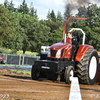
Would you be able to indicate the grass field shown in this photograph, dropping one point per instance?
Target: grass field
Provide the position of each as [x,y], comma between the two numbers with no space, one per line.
[25,72]
[9,64]
[9,51]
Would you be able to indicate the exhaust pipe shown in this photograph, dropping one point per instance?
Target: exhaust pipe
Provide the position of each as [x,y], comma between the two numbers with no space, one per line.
[65,38]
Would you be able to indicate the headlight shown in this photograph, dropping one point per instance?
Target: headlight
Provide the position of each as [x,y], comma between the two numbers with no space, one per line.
[58,54]
[48,52]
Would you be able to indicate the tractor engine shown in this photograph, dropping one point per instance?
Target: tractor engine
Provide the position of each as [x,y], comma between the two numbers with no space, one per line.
[60,51]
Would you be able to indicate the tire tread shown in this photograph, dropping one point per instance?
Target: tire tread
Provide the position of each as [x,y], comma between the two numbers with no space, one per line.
[82,67]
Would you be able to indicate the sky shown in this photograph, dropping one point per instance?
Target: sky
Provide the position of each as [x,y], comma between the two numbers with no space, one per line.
[43,6]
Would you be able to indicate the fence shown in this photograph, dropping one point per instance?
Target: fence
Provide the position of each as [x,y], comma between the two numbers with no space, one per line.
[19,59]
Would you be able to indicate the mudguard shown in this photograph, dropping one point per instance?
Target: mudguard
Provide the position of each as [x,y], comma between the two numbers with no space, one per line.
[81,51]
[98,78]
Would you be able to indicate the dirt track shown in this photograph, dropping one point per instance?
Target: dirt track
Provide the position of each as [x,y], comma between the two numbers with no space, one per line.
[22,87]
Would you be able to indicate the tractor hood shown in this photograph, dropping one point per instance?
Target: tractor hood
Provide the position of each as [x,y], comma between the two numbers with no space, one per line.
[60,45]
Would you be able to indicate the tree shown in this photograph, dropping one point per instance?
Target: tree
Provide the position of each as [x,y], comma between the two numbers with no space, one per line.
[49,15]
[40,37]
[10,34]
[53,16]
[6,3]
[32,11]
[14,42]
[36,34]
[11,6]
[59,20]
[25,23]
[55,36]
[23,8]
[5,25]
[82,12]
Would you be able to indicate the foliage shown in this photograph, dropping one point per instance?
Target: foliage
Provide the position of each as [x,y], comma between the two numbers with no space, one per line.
[40,37]
[51,16]
[9,35]
[32,11]
[21,31]
[53,27]
[23,8]
[91,26]
[11,6]
[6,3]
[59,19]
[55,36]
[36,34]
[82,12]
[16,42]
[9,51]
[20,28]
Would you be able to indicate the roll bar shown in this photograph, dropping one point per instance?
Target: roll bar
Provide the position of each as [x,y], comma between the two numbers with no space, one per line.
[81,31]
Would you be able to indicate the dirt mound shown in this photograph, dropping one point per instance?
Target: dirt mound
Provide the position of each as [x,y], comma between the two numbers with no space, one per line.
[4,71]
[15,73]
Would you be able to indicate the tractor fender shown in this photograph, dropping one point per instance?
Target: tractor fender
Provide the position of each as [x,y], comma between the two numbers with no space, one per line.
[81,51]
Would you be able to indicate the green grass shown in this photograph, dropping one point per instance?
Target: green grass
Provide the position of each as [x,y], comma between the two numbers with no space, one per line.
[4,50]
[27,53]
[9,51]
[25,72]
[9,64]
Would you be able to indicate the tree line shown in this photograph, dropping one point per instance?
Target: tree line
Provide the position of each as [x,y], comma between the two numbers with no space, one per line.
[20,28]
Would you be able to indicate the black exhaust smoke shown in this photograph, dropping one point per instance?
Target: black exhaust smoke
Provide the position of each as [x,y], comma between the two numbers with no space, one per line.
[71,5]
[68,9]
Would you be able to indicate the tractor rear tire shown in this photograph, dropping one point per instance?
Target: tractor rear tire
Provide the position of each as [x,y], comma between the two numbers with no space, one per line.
[34,73]
[87,67]
[69,74]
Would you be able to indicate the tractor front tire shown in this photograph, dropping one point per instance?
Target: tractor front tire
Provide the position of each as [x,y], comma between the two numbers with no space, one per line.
[69,74]
[34,73]
[87,67]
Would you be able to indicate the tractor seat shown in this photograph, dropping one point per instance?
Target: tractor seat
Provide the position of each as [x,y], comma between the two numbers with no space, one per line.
[77,36]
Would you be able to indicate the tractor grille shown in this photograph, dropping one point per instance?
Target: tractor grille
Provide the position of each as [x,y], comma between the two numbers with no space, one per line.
[53,53]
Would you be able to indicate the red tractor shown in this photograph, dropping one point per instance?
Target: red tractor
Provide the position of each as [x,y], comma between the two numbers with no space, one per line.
[85,65]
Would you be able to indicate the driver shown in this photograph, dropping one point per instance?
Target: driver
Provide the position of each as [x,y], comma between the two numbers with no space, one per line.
[74,45]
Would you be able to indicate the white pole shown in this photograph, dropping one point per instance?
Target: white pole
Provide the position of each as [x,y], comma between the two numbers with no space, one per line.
[65,38]
[23,60]
[19,59]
